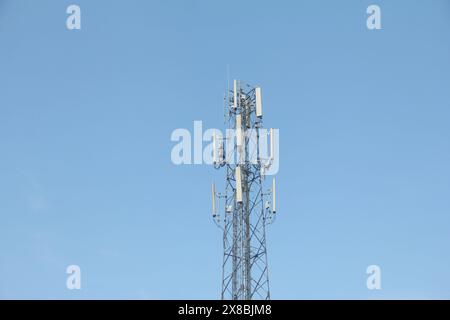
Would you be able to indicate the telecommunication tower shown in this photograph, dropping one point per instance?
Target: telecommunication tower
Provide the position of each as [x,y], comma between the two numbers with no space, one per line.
[247,207]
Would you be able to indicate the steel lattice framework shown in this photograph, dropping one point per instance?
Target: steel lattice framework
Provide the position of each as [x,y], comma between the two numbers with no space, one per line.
[246,211]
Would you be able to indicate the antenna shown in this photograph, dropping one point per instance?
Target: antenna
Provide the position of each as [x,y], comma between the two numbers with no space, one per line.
[213,193]
[258,102]
[214,148]
[238,184]
[239,139]
[274,196]
[235,94]
[272,146]
[227,96]
[218,154]
[247,212]
[239,130]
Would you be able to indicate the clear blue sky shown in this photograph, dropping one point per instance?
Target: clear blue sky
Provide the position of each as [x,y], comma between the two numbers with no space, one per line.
[85,123]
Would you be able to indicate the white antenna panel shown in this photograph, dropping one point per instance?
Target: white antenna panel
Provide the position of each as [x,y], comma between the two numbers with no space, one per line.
[220,151]
[272,146]
[238,184]
[218,154]
[214,148]
[258,102]
[274,195]
[239,130]
[235,97]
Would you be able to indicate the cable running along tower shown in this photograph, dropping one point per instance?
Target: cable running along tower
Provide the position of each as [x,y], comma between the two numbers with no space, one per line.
[247,207]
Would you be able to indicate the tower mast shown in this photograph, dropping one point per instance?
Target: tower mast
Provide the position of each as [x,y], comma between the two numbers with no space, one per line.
[247,211]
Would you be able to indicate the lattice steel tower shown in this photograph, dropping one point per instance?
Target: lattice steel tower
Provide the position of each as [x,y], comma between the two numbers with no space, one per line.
[247,207]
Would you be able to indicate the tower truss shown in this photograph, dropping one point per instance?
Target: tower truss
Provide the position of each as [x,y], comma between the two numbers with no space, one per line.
[248,207]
